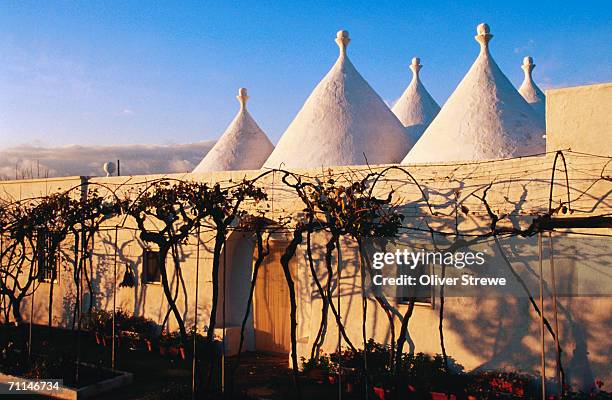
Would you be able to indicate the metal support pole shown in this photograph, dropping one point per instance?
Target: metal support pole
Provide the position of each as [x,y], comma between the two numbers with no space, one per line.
[223,335]
[340,320]
[556,320]
[113,356]
[32,310]
[542,342]
[2,299]
[195,318]
[80,300]
[364,300]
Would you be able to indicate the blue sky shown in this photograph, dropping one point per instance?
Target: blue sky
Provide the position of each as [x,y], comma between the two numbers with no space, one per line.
[143,72]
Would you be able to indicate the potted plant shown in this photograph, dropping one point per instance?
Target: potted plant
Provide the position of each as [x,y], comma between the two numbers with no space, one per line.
[148,341]
[382,384]
[100,323]
[170,343]
[137,330]
[317,368]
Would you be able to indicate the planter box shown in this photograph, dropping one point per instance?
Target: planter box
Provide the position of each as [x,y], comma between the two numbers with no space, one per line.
[69,393]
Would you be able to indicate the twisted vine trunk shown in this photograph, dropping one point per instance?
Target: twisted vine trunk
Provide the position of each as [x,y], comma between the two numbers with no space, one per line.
[402,337]
[53,261]
[330,247]
[177,272]
[441,321]
[210,335]
[75,278]
[318,342]
[14,301]
[87,277]
[163,253]
[285,259]
[382,302]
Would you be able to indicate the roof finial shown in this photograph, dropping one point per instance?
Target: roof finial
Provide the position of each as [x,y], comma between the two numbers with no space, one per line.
[242,98]
[342,39]
[483,36]
[415,67]
[528,66]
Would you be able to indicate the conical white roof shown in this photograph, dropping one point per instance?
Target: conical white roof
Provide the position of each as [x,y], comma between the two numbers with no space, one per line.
[416,108]
[531,92]
[484,118]
[242,146]
[342,119]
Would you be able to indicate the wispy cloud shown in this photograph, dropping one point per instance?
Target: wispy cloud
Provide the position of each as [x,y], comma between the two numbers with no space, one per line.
[527,47]
[34,160]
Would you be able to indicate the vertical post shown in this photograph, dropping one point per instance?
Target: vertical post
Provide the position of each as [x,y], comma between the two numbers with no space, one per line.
[364,300]
[542,342]
[223,334]
[340,320]
[80,300]
[84,194]
[195,318]
[118,167]
[2,303]
[556,319]
[35,265]
[113,356]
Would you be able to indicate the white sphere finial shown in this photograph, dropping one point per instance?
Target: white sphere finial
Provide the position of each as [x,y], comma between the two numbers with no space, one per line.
[528,66]
[483,35]
[109,168]
[242,97]
[416,67]
[483,28]
[342,39]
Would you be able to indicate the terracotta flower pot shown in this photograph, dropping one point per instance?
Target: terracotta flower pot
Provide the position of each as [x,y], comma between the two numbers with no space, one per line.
[380,392]
[173,351]
[332,379]
[163,349]
[442,396]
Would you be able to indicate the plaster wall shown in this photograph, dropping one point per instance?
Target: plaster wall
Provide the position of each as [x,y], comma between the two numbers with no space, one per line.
[579,118]
[479,332]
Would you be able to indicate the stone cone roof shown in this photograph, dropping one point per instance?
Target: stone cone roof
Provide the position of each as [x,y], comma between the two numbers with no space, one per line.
[485,118]
[343,122]
[416,108]
[531,92]
[242,146]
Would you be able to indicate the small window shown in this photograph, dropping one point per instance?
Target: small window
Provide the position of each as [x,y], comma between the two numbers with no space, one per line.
[152,273]
[47,262]
[422,295]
